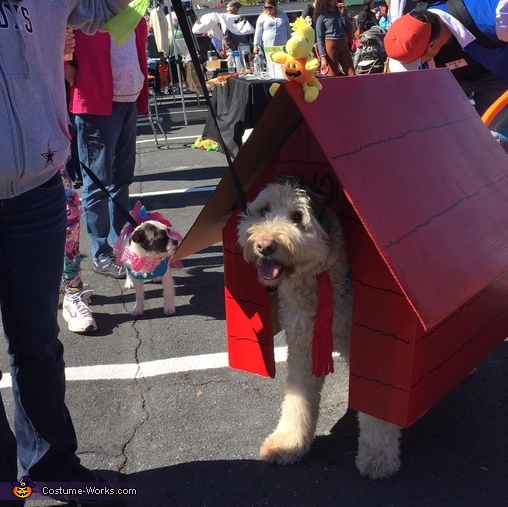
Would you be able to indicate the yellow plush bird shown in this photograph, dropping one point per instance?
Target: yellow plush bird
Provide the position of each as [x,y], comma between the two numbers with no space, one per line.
[299,62]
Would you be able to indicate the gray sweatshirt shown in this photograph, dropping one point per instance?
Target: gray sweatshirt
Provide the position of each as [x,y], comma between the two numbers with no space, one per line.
[34,137]
[333,25]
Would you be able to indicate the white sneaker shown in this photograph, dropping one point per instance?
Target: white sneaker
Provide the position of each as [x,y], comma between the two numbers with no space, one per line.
[77,314]
[61,294]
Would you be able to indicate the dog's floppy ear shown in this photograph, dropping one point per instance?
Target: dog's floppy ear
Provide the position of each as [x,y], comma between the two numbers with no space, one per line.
[318,198]
[138,236]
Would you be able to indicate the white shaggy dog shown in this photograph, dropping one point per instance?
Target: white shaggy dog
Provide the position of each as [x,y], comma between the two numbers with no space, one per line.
[292,238]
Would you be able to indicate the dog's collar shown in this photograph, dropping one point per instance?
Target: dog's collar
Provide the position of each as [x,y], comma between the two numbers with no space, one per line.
[158,271]
[141,263]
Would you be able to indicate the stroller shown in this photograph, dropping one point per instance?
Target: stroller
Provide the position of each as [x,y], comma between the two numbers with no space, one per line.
[370,55]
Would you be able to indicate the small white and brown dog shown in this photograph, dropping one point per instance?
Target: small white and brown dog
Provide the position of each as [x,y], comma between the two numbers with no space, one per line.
[146,252]
[294,240]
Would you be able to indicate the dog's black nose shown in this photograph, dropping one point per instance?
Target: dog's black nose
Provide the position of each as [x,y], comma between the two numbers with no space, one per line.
[266,248]
[175,242]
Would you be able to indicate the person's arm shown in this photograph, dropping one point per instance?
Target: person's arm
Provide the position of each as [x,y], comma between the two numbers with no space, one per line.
[346,20]
[320,40]
[258,34]
[288,27]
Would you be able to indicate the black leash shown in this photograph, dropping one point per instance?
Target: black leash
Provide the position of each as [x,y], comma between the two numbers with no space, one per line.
[119,207]
[187,35]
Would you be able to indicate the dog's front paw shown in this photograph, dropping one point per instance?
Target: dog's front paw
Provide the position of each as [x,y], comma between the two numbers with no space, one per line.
[169,310]
[377,463]
[283,449]
[129,284]
[137,310]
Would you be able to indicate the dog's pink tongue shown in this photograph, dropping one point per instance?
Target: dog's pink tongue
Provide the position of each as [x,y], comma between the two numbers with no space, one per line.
[269,270]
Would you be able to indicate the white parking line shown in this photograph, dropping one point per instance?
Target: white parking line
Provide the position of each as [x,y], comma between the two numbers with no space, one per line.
[171,138]
[179,191]
[149,368]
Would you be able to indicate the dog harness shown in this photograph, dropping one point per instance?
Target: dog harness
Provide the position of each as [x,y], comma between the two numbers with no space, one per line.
[144,268]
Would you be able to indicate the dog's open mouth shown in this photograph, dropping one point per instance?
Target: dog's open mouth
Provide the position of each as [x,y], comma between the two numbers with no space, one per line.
[270,270]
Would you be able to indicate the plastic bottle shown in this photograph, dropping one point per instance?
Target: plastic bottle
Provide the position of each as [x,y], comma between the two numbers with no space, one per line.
[246,61]
[262,64]
[231,63]
[238,62]
[256,63]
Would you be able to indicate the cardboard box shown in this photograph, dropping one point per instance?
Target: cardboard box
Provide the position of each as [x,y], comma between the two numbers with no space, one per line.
[217,64]
[421,188]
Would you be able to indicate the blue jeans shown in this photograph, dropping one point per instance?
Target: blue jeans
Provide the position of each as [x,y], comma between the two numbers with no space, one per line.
[107,145]
[32,237]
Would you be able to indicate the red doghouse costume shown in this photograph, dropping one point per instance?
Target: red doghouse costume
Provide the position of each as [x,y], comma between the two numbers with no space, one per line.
[422,198]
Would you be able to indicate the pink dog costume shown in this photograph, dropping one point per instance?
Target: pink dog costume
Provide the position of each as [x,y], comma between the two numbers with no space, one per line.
[144,267]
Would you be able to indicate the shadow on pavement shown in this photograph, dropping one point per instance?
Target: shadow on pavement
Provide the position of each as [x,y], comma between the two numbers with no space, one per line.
[455,455]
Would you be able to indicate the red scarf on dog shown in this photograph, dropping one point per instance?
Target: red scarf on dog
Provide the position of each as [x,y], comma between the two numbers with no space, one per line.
[322,340]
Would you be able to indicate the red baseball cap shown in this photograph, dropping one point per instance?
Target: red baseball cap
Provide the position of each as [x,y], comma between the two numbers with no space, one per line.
[407,39]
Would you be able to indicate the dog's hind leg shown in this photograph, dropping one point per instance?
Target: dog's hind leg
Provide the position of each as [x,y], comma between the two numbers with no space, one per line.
[378,447]
[169,293]
[295,431]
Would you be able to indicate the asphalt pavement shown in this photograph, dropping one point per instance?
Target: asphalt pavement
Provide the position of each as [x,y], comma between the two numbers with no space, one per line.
[156,407]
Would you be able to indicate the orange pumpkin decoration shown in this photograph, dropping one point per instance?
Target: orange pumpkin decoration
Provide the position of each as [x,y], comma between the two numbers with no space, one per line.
[22,491]
[23,488]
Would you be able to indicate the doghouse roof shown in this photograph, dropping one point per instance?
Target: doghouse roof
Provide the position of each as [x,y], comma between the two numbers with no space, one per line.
[423,174]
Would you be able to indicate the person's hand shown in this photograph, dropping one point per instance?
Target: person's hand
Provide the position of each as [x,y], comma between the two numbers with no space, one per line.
[324,66]
[70,42]
[70,73]
[255,49]
[342,8]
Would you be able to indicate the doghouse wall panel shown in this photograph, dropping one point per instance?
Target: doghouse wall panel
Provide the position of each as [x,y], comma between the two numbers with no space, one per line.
[248,310]
[447,354]
[457,333]
[382,337]
[397,371]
